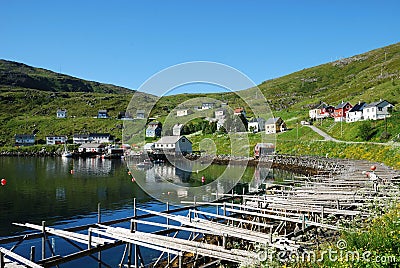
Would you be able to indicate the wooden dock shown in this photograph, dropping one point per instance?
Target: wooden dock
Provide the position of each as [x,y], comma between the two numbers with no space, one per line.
[230,229]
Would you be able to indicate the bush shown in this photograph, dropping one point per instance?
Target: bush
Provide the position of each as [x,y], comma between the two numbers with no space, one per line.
[366,131]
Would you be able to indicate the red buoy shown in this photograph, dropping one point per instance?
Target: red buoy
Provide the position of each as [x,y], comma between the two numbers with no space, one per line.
[129,173]
[373,168]
[71,171]
[133,179]
[3,182]
[203,180]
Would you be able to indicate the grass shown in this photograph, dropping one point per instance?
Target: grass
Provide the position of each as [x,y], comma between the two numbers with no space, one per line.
[350,131]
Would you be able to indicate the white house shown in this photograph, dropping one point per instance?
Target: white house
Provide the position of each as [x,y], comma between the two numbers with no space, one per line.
[220,113]
[257,124]
[80,138]
[377,110]
[51,140]
[102,114]
[153,129]
[322,110]
[24,139]
[96,148]
[148,147]
[140,114]
[101,137]
[274,125]
[183,112]
[61,113]
[207,105]
[177,129]
[174,144]
[356,113]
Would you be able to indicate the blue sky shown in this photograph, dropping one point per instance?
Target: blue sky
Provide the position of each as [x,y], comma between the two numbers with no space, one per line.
[126,42]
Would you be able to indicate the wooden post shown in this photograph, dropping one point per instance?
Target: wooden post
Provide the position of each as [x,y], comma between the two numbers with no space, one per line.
[136,259]
[168,255]
[89,238]
[99,221]
[180,260]
[322,214]
[33,253]
[270,234]
[303,224]
[2,263]
[44,240]
[98,213]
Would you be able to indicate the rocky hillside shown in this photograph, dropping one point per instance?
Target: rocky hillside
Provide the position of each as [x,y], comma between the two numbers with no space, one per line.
[19,75]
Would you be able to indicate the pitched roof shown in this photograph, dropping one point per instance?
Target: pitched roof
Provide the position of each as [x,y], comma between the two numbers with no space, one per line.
[381,103]
[81,135]
[342,104]
[99,134]
[320,105]
[25,135]
[358,107]
[259,120]
[170,139]
[272,120]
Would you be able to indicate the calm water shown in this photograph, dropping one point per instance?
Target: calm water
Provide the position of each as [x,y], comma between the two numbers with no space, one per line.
[44,189]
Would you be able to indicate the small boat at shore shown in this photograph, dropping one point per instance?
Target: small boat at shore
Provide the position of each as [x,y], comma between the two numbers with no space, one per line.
[145,164]
[66,153]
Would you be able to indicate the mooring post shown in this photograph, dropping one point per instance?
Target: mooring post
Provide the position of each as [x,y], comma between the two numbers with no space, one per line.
[44,240]
[224,209]
[99,212]
[303,222]
[180,259]
[224,240]
[2,263]
[168,254]
[33,253]
[322,214]
[270,234]
[89,238]
[136,259]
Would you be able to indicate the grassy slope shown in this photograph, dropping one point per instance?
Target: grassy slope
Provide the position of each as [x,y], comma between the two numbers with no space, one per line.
[365,77]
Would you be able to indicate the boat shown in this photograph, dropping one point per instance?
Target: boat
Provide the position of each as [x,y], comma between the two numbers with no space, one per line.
[145,164]
[66,153]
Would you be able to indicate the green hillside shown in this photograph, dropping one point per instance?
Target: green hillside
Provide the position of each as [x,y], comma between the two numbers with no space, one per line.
[29,97]
[19,75]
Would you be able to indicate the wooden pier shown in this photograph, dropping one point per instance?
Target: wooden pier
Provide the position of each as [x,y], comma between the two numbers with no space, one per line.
[289,215]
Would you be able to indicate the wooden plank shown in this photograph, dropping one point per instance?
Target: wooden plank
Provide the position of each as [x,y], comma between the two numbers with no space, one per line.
[19,258]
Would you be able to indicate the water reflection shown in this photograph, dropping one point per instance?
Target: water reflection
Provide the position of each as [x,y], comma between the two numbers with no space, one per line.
[185,181]
[46,189]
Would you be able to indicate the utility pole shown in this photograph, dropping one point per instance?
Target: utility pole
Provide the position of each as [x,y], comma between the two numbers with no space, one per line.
[341,127]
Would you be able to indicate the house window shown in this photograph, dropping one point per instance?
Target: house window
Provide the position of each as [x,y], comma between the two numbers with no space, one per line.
[380,109]
[183,140]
